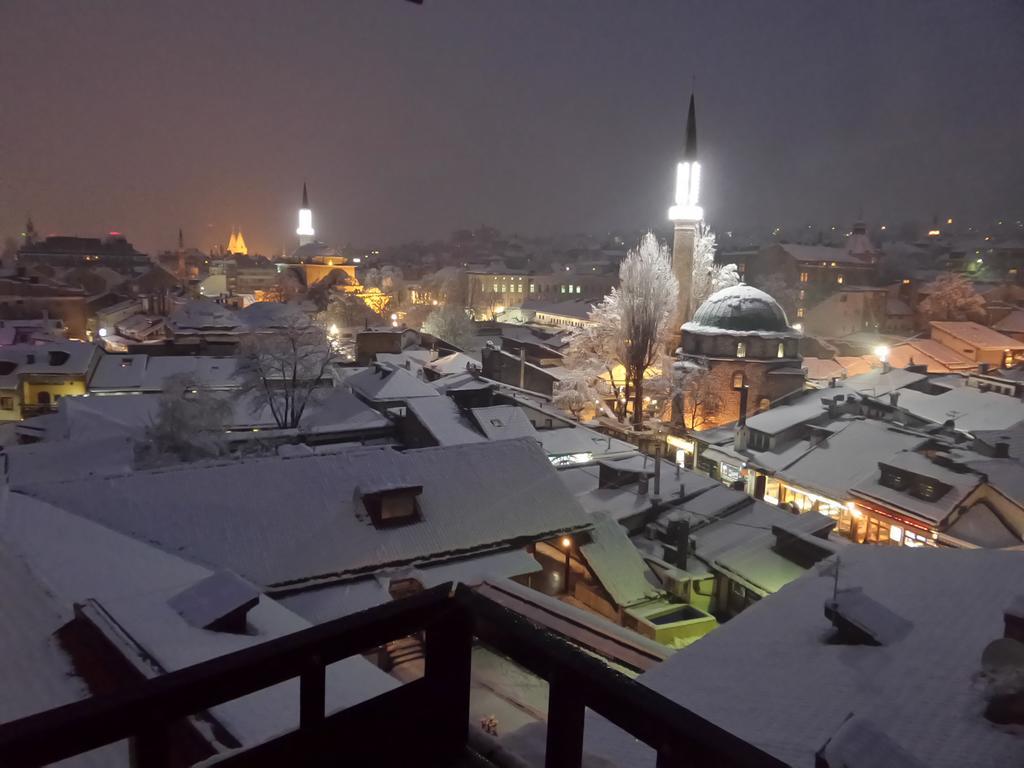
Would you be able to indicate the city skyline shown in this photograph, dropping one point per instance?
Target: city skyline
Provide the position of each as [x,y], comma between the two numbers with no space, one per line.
[409,122]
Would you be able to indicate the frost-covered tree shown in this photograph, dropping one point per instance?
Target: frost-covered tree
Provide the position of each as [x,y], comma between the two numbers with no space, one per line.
[952,297]
[575,393]
[450,323]
[696,395]
[647,298]
[595,351]
[280,370]
[708,276]
[189,422]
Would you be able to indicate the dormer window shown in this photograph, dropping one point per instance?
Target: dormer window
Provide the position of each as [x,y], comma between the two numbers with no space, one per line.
[390,507]
[741,349]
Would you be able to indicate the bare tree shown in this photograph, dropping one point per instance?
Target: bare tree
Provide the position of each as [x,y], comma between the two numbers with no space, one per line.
[952,297]
[282,369]
[450,323]
[189,422]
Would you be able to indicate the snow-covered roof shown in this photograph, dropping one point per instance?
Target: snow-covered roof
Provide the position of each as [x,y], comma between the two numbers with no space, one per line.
[968,407]
[64,358]
[502,422]
[881,381]
[146,373]
[203,316]
[79,561]
[456,362]
[617,564]
[384,383]
[282,521]
[441,417]
[934,354]
[770,677]
[823,253]
[981,526]
[1012,323]
[976,335]
[48,460]
[805,408]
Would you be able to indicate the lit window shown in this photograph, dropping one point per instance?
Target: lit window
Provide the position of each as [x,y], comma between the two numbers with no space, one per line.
[803,277]
[579,288]
[738,380]
[803,293]
[741,349]
[839,279]
[781,351]
[561,288]
[533,288]
[799,311]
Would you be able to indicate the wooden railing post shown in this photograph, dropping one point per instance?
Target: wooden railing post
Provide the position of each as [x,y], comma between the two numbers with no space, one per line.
[150,748]
[312,690]
[566,712]
[447,666]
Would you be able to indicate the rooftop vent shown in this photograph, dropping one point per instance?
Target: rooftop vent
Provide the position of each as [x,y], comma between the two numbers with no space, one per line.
[859,620]
[219,602]
[859,743]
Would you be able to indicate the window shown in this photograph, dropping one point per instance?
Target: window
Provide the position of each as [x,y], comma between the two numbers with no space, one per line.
[804,277]
[562,288]
[759,441]
[579,288]
[799,311]
[43,398]
[533,288]
[741,349]
[738,380]
[803,294]
[839,279]
[7,403]
[893,478]
[781,350]
[393,507]
[764,404]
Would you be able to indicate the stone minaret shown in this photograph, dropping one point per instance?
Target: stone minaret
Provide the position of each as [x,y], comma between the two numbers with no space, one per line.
[305,231]
[687,215]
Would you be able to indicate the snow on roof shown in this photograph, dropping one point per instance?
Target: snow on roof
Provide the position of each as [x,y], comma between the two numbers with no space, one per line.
[460,382]
[456,362]
[78,560]
[968,407]
[821,369]
[35,672]
[740,308]
[1006,476]
[281,521]
[338,410]
[617,564]
[271,315]
[937,356]
[578,309]
[881,382]
[501,422]
[827,253]
[48,460]
[1012,323]
[66,358]
[580,440]
[977,335]
[383,383]
[805,408]
[770,677]
[441,417]
[961,484]
[145,373]
[210,600]
[203,315]
[981,526]
[847,457]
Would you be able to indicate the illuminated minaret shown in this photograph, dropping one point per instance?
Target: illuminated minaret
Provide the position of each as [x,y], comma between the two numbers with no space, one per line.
[305,230]
[687,215]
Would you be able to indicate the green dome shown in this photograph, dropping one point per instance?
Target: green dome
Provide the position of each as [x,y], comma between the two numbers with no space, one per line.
[741,308]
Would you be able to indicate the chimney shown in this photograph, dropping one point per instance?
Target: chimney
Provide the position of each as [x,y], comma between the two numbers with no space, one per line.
[682,543]
[1013,619]
[982,368]
[657,470]
[1002,450]
[894,399]
[885,366]
[641,485]
[522,367]
[744,393]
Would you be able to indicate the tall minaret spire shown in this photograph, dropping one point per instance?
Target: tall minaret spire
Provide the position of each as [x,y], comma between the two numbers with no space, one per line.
[305,230]
[687,215]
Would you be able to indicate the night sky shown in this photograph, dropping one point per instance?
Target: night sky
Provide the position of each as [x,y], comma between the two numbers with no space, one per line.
[536,117]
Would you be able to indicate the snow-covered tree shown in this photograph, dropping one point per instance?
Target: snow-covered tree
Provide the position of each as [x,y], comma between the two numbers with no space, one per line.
[450,323]
[280,370]
[696,395]
[189,422]
[575,393]
[952,297]
[447,286]
[708,276]
[595,351]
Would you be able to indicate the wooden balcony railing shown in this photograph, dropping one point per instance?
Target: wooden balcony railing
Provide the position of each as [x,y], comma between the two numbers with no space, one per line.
[422,723]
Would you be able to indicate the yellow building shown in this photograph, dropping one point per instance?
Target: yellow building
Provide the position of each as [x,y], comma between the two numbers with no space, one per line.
[33,378]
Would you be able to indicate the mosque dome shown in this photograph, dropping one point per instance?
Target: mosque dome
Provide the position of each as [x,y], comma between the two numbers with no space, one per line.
[739,309]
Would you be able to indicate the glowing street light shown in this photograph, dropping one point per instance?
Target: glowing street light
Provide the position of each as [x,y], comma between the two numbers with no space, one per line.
[881,352]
